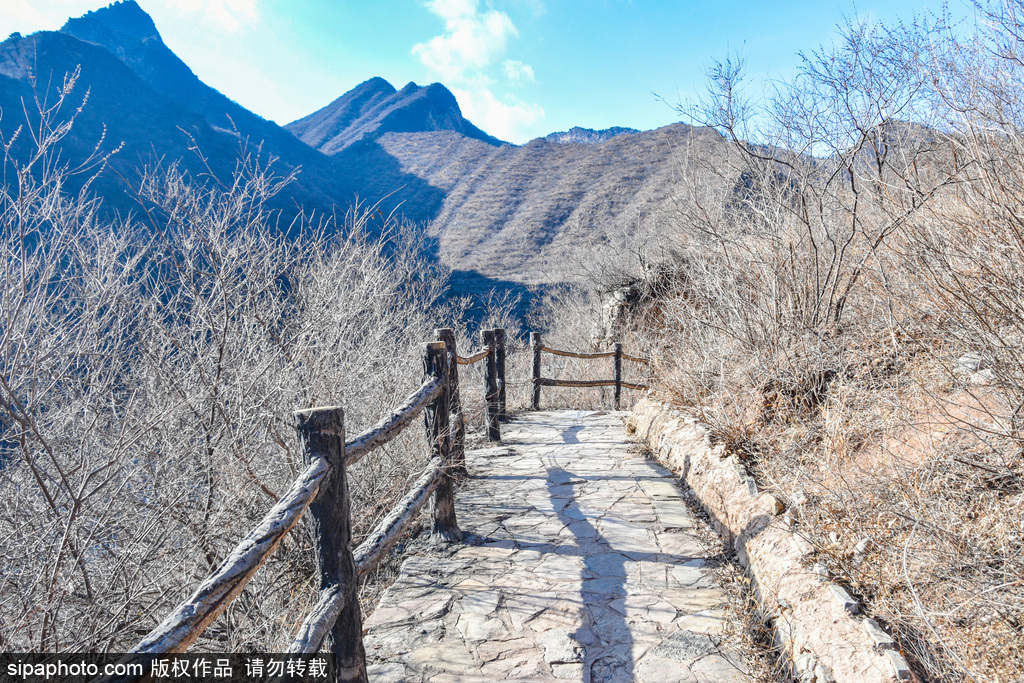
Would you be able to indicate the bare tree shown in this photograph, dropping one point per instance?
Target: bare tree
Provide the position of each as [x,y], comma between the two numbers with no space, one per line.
[149,372]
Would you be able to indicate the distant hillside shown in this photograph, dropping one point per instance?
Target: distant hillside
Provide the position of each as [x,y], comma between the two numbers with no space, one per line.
[540,212]
[375,108]
[588,135]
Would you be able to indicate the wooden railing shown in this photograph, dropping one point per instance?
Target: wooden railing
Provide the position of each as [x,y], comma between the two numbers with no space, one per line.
[322,489]
[537,348]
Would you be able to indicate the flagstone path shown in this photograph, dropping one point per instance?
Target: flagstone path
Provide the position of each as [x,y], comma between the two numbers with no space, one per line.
[580,563]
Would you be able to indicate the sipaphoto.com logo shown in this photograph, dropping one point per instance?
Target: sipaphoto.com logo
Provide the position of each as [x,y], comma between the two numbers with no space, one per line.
[110,667]
[72,670]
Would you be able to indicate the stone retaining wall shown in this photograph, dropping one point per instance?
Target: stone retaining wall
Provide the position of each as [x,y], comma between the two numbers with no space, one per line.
[816,622]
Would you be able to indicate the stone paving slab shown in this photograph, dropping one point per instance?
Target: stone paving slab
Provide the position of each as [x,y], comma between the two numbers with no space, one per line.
[580,564]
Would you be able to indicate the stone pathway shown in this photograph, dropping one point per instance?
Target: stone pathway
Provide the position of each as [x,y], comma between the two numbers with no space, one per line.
[580,563]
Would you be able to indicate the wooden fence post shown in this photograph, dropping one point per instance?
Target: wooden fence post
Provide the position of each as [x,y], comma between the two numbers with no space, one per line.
[618,375]
[322,431]
[435,364]
[458,454]
[491,387]
[535,377]
[499,359]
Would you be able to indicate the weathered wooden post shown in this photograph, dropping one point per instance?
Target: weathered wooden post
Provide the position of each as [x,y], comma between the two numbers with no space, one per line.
[435,364]
[458,454]
[491,386]
[322,433]
[535,348]
[618,375]
[499,360]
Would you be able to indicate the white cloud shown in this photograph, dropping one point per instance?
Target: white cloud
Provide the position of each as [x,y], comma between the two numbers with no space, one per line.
[19,15]
[228,15]
[518,72]
[471,40]
[502,119]
[29,16]
[473,43]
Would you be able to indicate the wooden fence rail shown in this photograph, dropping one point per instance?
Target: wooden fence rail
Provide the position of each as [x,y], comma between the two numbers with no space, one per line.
[322,489]
[616,353]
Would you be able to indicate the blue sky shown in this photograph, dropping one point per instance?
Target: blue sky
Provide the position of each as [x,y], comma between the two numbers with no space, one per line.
[519,68]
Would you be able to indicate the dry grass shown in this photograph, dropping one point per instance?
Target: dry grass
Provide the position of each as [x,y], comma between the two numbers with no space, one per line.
[149,371]
[850,324]
[910,505]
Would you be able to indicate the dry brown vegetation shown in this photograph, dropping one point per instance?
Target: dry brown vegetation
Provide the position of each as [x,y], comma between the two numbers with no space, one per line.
[149,370]
[844,306]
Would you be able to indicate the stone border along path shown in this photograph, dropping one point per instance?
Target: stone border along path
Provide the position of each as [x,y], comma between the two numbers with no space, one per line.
[581,563]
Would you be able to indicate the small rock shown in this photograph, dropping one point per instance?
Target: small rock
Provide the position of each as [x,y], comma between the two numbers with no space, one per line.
[899,665]
[986,376]
[969,363]
[821,570]
[860,551]
[844,599]
[822,674]
[882,640]
[739,469]
[809,670]
[751,487]
[776,505]
[803,667]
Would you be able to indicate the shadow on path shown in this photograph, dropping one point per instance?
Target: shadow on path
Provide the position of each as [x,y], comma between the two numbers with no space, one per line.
[604,573]
[569,435]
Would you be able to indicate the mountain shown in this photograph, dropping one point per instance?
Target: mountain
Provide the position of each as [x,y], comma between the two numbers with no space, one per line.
[588,135]
[502,215]
[143,98]
[547,212]
[374,108]
[127,32]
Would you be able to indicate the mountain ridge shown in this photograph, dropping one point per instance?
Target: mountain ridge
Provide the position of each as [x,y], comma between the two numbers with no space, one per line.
[536,213]
[527,214]
[375,108]
[576,134]
[142,94]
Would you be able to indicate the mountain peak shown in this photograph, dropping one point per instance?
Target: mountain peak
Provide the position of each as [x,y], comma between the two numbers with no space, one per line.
[118,22]
[374,108]
[372,86]
[588,136]
[125,30]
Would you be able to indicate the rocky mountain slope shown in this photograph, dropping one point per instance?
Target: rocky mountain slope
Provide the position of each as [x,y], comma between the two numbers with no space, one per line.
[538,213]
[549,211]
[588,135]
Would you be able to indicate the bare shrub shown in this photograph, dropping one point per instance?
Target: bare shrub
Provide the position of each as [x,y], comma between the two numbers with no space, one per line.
[843,307]
[150,371]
